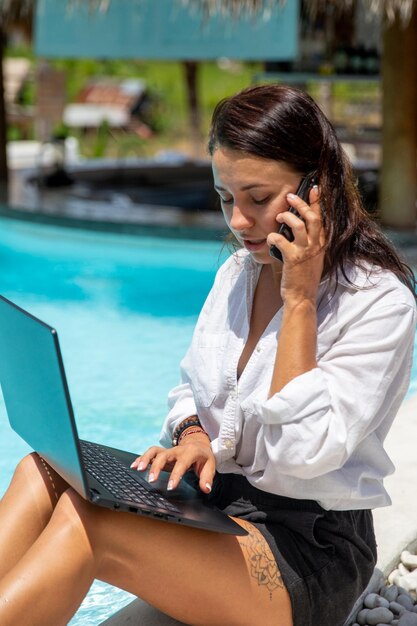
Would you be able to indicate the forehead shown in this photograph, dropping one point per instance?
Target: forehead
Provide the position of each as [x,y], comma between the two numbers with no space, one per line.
[232,166]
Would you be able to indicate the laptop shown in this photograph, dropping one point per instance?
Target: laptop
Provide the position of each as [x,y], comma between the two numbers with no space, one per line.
[38,405]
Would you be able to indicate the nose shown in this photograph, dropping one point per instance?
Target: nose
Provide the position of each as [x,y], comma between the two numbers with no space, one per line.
[240,219]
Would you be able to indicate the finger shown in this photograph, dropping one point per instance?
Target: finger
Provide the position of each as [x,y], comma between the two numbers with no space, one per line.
[314,196]
[281,242]
[142,461]
[159,462]
[310,213]
[207,476]
[303,206]
[316,224]
[180,468]
[296,223]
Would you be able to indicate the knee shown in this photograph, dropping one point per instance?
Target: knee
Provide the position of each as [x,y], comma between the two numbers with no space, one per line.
[75,515]
[31,470]
[39,478]
[28,466]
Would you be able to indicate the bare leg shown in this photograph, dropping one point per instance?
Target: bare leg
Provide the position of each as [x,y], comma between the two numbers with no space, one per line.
[26,508]
[199,577]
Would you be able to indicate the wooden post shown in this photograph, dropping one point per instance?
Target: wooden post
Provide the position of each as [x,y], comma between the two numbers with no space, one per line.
[191,77]
[398,185]
[3,125]
[50,102]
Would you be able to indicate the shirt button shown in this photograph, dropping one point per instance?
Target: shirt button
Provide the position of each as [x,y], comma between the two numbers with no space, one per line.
[229,444]
[233,394]
[258,348]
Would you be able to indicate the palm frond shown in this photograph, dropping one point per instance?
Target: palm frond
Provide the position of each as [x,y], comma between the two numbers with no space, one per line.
[11,10]
[233,8]
[391,9]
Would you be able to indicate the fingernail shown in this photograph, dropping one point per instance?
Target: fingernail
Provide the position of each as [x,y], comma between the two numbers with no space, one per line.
[291,195]
[170,485]
[208,486]
[140,466]
[315,186]
[133,465]
[151,477]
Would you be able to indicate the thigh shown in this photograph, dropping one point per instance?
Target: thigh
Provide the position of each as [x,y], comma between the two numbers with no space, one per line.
[198,577]
[36,484]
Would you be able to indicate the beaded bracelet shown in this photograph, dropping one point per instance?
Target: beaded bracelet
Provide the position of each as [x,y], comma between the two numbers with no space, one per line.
[190,421]
[191,431]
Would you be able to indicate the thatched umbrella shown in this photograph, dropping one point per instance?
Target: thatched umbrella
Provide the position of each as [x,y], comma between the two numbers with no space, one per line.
[391,9]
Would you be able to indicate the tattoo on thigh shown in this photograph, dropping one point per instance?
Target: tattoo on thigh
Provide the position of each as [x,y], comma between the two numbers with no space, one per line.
[263,566]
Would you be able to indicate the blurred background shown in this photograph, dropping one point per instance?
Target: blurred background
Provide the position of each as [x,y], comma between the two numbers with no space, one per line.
[101,79]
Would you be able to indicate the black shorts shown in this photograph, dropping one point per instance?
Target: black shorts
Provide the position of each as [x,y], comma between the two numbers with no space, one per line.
[326,558]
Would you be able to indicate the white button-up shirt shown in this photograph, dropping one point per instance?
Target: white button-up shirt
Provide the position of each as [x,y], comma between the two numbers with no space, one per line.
[321,437]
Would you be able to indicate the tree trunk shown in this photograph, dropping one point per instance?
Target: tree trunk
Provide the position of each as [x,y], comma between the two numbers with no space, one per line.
[191,77]
[3,125]
[398,186]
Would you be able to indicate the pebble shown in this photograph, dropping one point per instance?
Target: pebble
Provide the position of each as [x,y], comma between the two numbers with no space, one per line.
[408,619]
[380,615]
[380,609]
[373,600]
[396,608]
[361,617]
[390,593]
[393,603]
[405,600]
[409,560]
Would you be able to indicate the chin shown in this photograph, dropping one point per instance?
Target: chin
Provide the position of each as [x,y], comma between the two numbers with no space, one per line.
[262,257]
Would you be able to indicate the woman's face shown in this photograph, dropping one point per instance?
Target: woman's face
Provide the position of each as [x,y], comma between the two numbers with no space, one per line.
[252,192]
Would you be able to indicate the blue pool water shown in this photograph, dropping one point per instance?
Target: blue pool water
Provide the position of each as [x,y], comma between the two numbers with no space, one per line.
[124,308]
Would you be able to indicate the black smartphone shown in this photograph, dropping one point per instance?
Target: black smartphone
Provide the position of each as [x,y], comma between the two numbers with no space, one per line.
[303,191]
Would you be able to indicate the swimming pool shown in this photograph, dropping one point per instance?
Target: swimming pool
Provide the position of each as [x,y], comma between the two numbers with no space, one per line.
[124,308]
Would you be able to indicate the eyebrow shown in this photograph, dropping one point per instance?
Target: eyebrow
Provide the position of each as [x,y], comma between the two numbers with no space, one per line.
[245,187]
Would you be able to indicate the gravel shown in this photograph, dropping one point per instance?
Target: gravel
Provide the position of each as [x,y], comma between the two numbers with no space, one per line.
[394,603]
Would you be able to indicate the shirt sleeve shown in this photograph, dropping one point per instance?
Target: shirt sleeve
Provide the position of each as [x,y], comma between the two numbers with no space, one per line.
[316,421]
[181,401]
[181,404]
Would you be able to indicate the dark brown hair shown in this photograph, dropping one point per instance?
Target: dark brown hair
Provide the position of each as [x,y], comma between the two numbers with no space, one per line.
[285,124]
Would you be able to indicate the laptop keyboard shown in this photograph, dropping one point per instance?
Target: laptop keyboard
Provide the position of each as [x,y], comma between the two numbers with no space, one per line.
[113,475]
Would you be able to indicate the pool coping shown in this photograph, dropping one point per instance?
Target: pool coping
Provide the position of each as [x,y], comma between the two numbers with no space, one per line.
[55,207]
[149,221]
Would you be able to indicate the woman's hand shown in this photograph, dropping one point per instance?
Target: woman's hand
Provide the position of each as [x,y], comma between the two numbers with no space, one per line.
[304,257]
[193,452]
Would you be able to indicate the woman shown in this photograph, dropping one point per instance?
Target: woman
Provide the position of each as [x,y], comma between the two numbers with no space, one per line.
[294,376]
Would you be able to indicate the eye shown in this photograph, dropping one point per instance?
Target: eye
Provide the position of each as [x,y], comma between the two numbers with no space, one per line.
[225,200]
[262,200]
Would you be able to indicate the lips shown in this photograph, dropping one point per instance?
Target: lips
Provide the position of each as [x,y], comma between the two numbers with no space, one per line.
[253,244]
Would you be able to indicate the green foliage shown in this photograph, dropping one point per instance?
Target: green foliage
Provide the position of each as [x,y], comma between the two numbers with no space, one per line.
[166,85]
[101,140]
[14,133]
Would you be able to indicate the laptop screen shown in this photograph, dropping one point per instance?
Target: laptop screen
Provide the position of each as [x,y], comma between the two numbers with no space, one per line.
[36,393]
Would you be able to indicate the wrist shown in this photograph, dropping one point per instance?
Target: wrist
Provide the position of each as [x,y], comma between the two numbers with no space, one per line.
[301,305]
[194,434]
[189,423]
